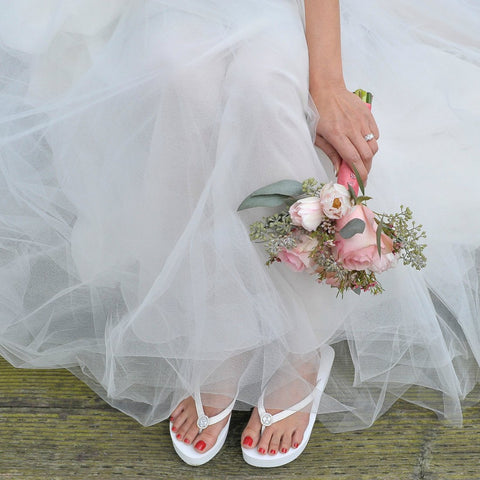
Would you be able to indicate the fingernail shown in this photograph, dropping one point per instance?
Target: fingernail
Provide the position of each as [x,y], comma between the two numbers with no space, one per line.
[295,445]
[174,429]
[200,445]
[248,441]
[273,452]
[261,450]
[284,450]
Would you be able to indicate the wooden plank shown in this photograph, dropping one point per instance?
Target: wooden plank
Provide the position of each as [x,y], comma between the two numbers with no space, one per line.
[53,427]
[44,388]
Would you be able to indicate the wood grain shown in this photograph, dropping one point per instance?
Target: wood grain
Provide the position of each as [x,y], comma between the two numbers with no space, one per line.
[53,427]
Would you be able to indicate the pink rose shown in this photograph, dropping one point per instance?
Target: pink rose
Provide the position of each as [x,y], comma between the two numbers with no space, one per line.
[360,251]
[307,213]
[298,258]
[335,200]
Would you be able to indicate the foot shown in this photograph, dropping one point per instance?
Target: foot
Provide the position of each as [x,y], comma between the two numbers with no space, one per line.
[284,434]
[278,437]
[184,425]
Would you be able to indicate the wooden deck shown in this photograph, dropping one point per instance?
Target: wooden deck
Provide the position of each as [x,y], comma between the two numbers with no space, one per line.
[53,427]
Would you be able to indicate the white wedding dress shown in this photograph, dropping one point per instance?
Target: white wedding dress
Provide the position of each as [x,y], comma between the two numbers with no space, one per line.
[131,130]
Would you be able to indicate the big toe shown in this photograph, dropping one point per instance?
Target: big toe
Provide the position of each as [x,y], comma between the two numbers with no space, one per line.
[251,433]
[207,439]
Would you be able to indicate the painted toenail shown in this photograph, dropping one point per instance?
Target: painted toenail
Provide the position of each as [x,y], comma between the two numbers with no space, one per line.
[248,441]
[295,445]
[172,419]
[174,429]
[261,450]
[200,445]
[179,436]
[187,441]
[273,452]
[284,450]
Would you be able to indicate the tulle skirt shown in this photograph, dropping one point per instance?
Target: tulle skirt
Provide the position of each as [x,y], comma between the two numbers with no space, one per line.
[130,132]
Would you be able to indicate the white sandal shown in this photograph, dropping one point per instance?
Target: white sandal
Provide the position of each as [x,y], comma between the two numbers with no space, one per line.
[252,457]
[186,451]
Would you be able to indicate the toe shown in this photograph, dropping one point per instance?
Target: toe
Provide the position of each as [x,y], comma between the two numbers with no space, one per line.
[179,421]
[184,429]
[191,434]
[177,411]
[297,438]
[251,433]
[264,442]
[273,447]
[206,440]
[285,443]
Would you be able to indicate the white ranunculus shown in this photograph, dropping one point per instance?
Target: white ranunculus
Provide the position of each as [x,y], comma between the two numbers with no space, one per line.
[335,200]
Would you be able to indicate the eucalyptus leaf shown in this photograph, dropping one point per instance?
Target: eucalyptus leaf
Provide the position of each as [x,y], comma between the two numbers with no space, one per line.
[263,201]
[379,238]
[363,198]
[290,188]
[354,226]
[357,290]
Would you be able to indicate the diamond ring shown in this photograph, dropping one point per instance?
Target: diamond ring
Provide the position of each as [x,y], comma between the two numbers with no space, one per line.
[369,137]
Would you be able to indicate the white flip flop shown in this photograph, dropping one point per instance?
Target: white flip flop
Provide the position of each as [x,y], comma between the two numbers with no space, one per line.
[252,457]
[186,451]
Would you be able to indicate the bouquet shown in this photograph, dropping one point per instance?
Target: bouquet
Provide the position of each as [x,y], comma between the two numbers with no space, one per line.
[327,230]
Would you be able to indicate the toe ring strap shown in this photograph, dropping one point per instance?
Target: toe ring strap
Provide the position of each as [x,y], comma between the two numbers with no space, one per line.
[268,419]
[203,420]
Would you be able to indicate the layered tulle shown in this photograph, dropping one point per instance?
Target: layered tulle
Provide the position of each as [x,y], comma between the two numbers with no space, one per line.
[130,133]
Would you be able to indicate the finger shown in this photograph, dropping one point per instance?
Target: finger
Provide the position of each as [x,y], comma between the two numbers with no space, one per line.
[373,146]
[351,155]
[373,127]
[329,151]
[364,149]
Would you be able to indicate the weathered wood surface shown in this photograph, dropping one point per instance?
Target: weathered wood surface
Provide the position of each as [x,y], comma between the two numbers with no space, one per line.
[52,427]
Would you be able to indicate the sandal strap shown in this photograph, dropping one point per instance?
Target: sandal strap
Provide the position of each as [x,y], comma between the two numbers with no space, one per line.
[268,419]
[203,420]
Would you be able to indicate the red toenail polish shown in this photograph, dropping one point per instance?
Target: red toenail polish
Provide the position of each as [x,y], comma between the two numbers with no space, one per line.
[200,445]
[174,429]
[248,441]
[261,451]
[187,441]
[273,452]
[284,450]
[295,445]
[172,419]
[179,436]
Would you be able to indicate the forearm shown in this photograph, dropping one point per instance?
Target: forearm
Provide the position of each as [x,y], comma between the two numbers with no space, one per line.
[324,44]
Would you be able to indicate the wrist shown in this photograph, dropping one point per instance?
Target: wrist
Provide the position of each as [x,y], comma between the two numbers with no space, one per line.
[320,80]
[325,90]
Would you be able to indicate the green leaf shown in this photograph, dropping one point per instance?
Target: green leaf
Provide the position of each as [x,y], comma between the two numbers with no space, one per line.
[363,198]
[263,201]
[290,188]
[352,193]
[359,179]
[379,238]
[358,291]
[353,227]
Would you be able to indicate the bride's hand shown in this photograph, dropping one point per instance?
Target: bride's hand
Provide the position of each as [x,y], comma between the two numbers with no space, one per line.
[344,121]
